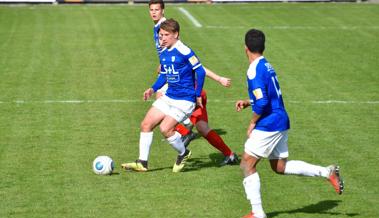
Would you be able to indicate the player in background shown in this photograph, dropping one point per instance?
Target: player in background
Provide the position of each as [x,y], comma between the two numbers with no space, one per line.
[268,130]
[199,117]
[179,64]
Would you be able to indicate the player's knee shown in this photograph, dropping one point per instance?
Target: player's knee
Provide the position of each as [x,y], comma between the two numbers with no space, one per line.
[166,132]
[247,168]
[279,169]
[146,126]
[203,132]
[163,130]
[244,164]
[203,128]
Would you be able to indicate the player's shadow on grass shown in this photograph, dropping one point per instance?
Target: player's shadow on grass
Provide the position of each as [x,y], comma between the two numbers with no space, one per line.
[321,207]
[197,163]
[220,131]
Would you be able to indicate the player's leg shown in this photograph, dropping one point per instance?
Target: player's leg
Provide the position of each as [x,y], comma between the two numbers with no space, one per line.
[280,164]
[216,141]
[152,118]
[174,138]
[179,111]
[301,168]
[190,122]
[182,129]
[185,129]
[252,185]
[257,146]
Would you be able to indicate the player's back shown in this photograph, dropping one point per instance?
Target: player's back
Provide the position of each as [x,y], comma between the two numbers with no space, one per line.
[265,87]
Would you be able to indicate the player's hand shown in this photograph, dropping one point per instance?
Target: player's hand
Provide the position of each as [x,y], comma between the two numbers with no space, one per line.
[199,102]
[240,105]
[225,81]
[148,93]
[250,129]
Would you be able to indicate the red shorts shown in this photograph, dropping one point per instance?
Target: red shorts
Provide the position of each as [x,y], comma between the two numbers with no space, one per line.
[200,113]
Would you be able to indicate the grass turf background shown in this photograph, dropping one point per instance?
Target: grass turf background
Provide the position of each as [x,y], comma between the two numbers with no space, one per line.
[71,83]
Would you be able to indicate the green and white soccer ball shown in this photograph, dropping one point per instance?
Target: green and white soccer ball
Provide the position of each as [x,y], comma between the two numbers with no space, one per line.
[103,165]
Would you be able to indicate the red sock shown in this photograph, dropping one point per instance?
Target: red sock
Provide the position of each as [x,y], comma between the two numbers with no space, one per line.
[216,141]
[182,129]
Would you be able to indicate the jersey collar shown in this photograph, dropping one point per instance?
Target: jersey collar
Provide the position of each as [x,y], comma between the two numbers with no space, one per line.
[256,61]
[160,21]
[251,72]
[177,43]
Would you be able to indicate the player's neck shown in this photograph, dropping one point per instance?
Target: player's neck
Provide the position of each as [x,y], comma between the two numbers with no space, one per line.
[173,44]
[253,56]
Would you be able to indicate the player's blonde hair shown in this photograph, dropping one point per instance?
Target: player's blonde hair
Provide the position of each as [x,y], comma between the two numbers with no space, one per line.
[170,25]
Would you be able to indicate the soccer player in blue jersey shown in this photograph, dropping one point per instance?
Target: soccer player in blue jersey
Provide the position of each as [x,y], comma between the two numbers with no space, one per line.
[268,130]
[180,69]
[199,117]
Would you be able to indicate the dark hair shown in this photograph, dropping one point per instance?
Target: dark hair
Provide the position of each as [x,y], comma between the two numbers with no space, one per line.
[255,41]
[170,25]
[160,2]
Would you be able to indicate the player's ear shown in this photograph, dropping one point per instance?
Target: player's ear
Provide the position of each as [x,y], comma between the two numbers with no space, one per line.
[176,35]
[247,51]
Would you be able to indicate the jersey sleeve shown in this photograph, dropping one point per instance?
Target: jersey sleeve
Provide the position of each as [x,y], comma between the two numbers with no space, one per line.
[200,78]
[193,60]
[199,70]
[161,80]
[258,92]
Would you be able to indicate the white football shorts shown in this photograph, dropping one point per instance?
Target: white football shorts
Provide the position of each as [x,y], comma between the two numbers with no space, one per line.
[177,109]
[271,145]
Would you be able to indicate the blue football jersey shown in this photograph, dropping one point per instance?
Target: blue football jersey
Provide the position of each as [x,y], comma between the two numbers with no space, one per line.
[178,67]
[266,97]
[156,35]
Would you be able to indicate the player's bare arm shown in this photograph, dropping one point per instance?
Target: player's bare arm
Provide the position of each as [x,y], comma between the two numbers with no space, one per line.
[222,80]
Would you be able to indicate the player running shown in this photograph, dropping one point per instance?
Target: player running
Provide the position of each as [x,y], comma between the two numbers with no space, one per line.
[268,129]
[179,64]
[199,117]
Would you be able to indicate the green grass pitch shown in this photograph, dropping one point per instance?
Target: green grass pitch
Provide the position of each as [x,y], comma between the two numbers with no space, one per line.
[71,84]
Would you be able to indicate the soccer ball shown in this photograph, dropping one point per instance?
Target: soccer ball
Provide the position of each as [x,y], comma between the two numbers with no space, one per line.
[103,165]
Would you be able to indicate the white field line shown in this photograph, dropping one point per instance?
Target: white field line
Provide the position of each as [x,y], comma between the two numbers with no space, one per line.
[127,101]
[190,17]
[295,27]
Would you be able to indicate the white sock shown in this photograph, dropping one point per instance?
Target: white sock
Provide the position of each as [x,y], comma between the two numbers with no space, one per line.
[297,167]
[252,187]
[177,143]
[145,140]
